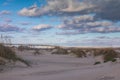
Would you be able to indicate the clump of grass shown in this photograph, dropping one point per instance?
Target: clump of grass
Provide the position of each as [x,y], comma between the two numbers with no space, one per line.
[59,50]
[78,52]
[96,63]
[37,52]
[9,55]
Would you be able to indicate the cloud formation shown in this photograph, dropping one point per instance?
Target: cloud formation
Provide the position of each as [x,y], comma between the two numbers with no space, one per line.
[8,20]
[31,11]
[98,41]
[103,9]
[5,12]
[87,24]
[9,28]
[41,27]
[25,23]
[57,7]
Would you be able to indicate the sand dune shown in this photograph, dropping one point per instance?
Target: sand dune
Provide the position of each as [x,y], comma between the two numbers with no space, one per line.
[60,67]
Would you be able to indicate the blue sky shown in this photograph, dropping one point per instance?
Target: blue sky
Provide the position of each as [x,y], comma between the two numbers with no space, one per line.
[61,22]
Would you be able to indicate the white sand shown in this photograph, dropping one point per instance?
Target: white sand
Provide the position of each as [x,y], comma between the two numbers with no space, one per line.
[60,67]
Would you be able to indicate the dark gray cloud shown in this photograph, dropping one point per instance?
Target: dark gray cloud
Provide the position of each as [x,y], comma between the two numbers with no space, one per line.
[107,9]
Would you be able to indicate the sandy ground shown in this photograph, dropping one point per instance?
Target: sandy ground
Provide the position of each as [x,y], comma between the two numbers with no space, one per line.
[60,67]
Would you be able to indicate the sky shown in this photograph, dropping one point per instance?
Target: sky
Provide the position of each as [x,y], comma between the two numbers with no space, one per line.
[61,22]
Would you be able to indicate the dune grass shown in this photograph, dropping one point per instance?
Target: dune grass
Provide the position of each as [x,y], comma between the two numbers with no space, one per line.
[59,50]
[78,52]
[109,54]
[9,55]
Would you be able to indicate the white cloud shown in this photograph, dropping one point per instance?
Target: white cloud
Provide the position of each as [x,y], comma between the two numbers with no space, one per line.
[9,27]
[41,27]
[5,12]
[99,23]
[32,11]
